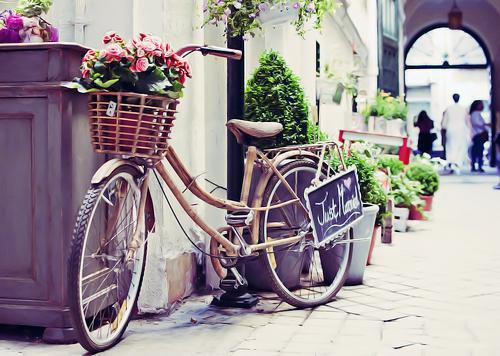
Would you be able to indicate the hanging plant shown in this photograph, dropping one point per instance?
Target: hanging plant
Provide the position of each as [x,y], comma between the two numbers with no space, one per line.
[243,17]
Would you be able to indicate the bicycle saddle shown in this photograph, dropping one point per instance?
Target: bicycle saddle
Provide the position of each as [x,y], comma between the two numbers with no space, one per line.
[243,130]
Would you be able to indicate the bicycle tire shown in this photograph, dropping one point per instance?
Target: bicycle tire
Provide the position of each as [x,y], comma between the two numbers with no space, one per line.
[283,285]
[79,242]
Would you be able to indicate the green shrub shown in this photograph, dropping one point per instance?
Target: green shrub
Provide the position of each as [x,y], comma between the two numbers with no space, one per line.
[391,163]
[314,133]
[274,93]
[425,174]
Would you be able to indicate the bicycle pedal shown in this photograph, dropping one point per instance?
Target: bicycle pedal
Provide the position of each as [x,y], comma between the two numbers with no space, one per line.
[239,218]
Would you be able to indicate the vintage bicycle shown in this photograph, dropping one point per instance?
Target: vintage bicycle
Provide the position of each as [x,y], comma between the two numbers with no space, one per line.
[294,215]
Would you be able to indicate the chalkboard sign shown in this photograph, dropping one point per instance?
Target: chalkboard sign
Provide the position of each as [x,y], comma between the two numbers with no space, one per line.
[334,206]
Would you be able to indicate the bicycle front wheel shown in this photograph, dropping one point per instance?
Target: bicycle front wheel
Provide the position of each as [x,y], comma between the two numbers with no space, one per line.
[105,274]
[302,274]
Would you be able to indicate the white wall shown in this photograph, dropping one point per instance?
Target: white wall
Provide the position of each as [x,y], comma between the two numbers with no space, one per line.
[199,134]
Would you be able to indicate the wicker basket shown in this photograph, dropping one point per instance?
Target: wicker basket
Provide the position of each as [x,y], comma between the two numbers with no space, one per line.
[131,124]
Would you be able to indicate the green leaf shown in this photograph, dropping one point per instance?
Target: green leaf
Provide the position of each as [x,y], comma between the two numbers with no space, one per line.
[106,84]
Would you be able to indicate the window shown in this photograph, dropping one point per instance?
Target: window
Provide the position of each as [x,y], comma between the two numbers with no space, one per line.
[446,47]
[390,18]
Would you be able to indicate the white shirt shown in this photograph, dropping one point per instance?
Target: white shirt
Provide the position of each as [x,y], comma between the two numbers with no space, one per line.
[455,118]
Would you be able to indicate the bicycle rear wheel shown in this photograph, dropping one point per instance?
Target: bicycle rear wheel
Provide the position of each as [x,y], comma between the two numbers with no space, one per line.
[104,278]
[300,273]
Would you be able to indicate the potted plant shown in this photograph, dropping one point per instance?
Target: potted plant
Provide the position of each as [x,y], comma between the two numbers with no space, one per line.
[406,195]
[391,164]
[374,113]
[274,93]
[25,24]
[426,174]
[245,17]
[374,207]
[396,116]
[134,89]
[333,83]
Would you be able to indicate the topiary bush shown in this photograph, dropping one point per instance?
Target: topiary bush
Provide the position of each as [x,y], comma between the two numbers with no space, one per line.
[274,93]
[425,174]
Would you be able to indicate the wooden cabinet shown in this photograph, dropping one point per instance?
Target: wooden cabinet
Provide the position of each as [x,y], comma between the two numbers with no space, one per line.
[46,164]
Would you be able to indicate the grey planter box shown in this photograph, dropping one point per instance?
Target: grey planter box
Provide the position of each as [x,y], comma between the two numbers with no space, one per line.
[362,230]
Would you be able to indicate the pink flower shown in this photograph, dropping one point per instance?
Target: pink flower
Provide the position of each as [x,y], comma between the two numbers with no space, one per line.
[113,52]
[140,65]
[147,46]
[112,37]
[90,56]
[85,72]
[167,50]
[140,52]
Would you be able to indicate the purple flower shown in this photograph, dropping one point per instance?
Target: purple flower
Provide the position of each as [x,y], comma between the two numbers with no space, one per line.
[246,37]
[296,5]
[311,7]
[14,22]
[227,11]
[53,34]
[9,36]
[263,7]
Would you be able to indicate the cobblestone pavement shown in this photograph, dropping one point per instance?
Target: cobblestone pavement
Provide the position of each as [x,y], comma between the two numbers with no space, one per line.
[434,291]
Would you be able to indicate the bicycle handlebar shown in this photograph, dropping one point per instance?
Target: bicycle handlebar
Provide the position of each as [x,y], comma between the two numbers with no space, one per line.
[210,50]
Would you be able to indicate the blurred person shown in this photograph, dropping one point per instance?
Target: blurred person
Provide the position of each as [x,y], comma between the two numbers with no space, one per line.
[479,134]
[425,137]
[455,134]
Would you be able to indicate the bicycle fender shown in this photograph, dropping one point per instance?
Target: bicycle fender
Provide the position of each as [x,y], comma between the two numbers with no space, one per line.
[107,168]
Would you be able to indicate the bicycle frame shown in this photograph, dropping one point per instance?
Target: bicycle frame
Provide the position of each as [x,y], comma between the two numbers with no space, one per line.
[254,158]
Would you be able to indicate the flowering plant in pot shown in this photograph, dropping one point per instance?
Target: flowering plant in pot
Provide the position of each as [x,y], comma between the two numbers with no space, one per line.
[424,173]
[145,65]
[25,24]
[245,17]
[135,86]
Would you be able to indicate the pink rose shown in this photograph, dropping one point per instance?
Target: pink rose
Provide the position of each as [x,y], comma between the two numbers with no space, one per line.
[113,52]
[90,56]
[140,52]
[140,65]
[167,50]
[85,72]
[147,46]
[112,37]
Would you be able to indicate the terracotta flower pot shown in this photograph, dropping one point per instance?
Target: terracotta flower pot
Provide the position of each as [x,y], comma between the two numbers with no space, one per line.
[415,214]
[376,229]
[428,201]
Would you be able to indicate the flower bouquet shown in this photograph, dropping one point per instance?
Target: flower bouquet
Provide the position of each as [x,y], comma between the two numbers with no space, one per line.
[134,89]
[25,24]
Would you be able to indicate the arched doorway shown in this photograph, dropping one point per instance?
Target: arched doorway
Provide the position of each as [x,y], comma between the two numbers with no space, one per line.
[440,62]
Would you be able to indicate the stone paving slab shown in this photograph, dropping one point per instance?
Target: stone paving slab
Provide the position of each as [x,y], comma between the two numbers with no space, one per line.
[435,291]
